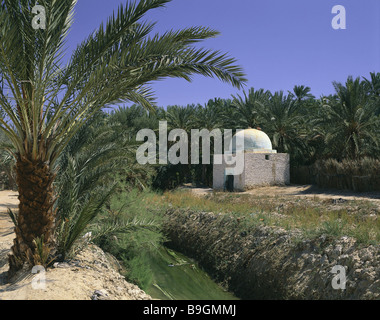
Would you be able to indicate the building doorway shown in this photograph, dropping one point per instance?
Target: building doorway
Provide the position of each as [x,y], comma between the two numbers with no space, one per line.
[230,183]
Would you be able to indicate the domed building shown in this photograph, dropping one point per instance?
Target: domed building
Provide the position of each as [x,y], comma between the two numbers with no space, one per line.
[255,141]
[262,165]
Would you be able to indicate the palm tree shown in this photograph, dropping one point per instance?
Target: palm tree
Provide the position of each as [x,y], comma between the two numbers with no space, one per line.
[47,103]
[213,114]
[89,169]
[247,107]
[372,85]
[281,120]
[179,117]
[130,120]
[302,93]
[350,120]
[183,118]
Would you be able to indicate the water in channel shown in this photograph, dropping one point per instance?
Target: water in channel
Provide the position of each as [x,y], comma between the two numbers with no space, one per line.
[177,277]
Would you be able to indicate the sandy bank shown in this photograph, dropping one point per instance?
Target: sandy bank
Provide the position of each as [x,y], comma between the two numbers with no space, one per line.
[93,274]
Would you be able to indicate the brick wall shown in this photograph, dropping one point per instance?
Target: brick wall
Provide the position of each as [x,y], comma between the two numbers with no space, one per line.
[266,169]
[259,169]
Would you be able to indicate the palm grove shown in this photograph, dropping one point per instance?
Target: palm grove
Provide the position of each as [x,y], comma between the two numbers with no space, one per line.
[337,132]
[70,156]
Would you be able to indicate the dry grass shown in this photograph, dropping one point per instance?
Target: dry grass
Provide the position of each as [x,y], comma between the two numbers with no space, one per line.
[358,175]
[312,216]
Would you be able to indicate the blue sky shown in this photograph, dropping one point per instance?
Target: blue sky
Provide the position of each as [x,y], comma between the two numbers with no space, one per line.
[279,43]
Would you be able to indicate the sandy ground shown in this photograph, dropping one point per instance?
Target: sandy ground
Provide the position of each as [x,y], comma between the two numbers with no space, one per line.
[8,199]
[91,275]
[305,191]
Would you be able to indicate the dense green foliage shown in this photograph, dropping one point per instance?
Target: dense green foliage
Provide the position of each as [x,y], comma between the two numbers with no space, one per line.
[340,126]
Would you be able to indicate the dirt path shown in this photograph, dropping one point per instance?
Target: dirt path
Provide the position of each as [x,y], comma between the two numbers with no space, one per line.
[91,275]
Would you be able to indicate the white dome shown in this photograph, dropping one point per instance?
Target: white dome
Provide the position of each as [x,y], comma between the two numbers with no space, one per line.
[254,141]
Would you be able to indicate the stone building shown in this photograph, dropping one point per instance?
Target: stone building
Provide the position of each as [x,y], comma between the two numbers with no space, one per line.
[262,165]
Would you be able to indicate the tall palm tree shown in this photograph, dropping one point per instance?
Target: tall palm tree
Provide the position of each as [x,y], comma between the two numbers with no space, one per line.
[248,107]
[213,114]
[282,121]
[219,113]
[183,118]
[47,103]
[302,93]
[179,117]
[372,85]
[129,120]
[350,120]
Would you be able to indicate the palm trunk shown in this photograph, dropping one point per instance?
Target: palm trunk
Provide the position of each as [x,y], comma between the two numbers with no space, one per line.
[36,217]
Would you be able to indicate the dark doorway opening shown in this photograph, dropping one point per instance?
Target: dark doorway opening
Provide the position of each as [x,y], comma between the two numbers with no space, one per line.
[230,183]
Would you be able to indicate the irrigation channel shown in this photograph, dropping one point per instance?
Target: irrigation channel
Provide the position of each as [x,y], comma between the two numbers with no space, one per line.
[177,277]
